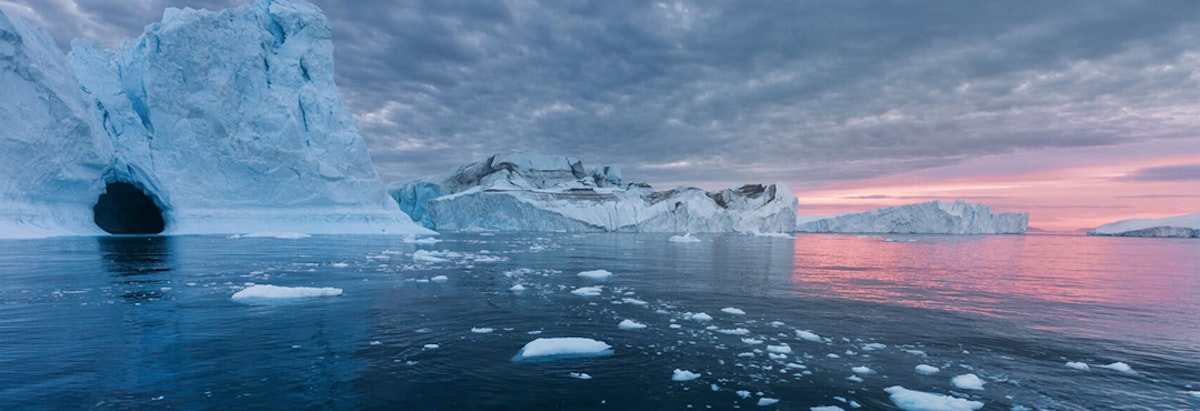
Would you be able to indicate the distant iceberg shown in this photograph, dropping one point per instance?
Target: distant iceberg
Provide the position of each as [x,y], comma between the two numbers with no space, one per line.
[210,122]
[536,192]
[935,217]
[1184,226]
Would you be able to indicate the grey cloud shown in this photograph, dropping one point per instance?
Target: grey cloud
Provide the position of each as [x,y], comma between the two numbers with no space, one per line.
[1184,172]
[803,92]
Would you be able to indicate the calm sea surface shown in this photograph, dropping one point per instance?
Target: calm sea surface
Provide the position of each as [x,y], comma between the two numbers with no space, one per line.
[149,322]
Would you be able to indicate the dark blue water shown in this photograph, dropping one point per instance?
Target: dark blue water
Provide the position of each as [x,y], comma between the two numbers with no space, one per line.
[149,323]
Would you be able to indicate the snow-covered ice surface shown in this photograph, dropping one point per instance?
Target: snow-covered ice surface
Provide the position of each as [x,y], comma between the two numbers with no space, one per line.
[912,400]
[595,274]
[1184,226]
[820,321]
[275,292]
[563,347]
[683,375]
[967,382]
[549,193]
[229,121]
[935,217]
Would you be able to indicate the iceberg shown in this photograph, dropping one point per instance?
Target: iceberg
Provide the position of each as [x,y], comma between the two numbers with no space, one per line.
[537,192]
[1184,226]
[935,217]
[209,122]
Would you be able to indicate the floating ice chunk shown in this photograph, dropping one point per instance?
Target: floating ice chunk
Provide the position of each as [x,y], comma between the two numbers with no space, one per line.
[752,341]
[630,325]
[918,353]
[735,331]
[633,301]
[482,330]
[1119,366]
[910,400]
[827,408]
[1081,366]
[734,311]
[967,382]
[779,349]
[427,240]
[873,347]
[683,375]
[743,393]
[855,378]
[795,366]
[808,336]
[596,274]
[376,342]
[926,369]
[440,278]
[686,238]
[833,356]
[426,256]
[580,375]
[675,326]
[517,287]
[764,401]
[1193,394]
[701,317]
[272,234]
[431,346]
[270,292]
[339,265]
[563,347]
[588,291]
[862,369]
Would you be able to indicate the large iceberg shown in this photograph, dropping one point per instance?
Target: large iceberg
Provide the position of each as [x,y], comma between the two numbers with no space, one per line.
[1184,226]
[535,192]
[210,122]
[935,217]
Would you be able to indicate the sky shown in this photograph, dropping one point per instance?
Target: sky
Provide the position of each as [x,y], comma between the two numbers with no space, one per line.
[1079,112]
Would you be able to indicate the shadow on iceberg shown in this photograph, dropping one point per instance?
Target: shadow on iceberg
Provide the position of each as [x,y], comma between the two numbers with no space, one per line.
[126,209]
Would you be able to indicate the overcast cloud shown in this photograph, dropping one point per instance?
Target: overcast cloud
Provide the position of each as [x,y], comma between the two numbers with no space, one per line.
[719,92]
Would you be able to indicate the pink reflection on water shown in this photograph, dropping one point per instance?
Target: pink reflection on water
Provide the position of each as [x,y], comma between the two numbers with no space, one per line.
[1054,280]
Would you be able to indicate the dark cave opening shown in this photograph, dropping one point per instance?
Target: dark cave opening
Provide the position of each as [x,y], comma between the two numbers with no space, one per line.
[126,209]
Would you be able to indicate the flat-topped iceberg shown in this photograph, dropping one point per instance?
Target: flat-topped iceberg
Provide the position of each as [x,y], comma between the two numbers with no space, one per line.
[535,192]
[210,122]
[1184,226]
[935,217]
[563,347]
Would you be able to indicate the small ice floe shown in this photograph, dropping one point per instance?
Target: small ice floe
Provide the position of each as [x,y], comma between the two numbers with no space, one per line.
[701,317]
[563,347]
[376,342]
[482,330]
[683,375]
[735,331]
[910,400]
[675,326]
[412,239]
[862,369]
[596,274]
[686,238]
[752,341]
[1193,394]
[827,408]
[926,369]
[855,378]
[1077,365]
[440,278]
[873,346]
[832,356]
[339,265]
[630,325]
[272,234]
[734,311]
[426,256]
[967,382]
[779,349]
[764,401]
[743,393]
[1119,366]
[517,287]
[808,336]
[795,366]
[431,346]
[274,292]
[580,375]
[588,291]
[633,301]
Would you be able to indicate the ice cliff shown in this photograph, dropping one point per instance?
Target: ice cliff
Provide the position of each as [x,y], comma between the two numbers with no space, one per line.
[224,121]
[935,217]
[534,192]
[1184,226]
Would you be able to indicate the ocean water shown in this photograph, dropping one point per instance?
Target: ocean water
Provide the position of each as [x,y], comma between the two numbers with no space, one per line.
[150,322]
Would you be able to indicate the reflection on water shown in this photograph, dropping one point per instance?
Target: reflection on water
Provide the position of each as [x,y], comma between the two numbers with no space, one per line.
[138,262]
